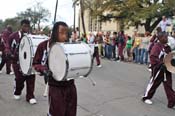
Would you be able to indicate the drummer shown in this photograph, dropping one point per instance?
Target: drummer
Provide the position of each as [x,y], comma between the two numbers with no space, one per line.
[62,94]
[13,49]
[159,72]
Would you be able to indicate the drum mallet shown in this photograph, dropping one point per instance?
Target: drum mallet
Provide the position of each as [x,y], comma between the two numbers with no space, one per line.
[46,90]
[93,82]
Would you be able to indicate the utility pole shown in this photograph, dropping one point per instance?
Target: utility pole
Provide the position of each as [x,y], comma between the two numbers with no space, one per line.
[74,5]
[74,15]
[56,11]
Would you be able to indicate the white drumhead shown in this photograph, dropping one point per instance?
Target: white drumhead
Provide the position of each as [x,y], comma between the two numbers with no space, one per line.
[25,54]
[57,62]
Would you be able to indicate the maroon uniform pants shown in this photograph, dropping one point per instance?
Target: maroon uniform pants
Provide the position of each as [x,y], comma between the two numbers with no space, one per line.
[19,81]
[96,55]
[120,51]
[158,78]
[62,100]
[7,61]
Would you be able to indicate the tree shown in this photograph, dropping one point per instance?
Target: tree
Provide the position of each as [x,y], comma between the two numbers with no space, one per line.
[1,25]
[30,15]
[36,15]
[82,7]
[91,6]
[147,13]
[47,30]
[14,22]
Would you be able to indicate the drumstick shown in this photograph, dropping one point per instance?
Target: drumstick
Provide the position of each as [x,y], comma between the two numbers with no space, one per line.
[93,82]
[46,90]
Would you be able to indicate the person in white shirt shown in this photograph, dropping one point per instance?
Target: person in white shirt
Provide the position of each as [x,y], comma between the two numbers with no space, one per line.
[163,24]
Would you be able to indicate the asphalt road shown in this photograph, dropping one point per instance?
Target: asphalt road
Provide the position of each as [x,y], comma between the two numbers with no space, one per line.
[118,91]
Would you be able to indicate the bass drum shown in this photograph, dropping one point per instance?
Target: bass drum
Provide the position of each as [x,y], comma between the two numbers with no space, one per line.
[27,49]
[70,61]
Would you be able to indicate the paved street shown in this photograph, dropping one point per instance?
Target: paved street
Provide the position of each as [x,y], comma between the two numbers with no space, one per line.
[117,93]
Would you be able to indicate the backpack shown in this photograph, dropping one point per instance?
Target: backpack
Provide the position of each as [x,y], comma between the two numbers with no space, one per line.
[116,40]
[121,39]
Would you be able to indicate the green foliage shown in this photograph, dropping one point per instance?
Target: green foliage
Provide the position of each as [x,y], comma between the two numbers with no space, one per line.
[14,22]
[136,12]
[36,15]
[1,25]
[47,30]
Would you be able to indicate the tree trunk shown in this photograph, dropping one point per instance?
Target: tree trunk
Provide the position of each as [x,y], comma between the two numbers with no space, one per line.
[149,27]
[39,28]
[82,16]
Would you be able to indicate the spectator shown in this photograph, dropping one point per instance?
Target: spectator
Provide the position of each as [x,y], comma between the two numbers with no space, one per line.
[128,47]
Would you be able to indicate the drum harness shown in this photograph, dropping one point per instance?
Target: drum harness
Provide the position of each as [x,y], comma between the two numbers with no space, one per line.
[45,55]
[15,45]
[44,60]
[162,54]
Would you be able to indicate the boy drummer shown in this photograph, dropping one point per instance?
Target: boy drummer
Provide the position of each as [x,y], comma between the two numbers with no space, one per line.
[20,78]
[159,72]
[62,94]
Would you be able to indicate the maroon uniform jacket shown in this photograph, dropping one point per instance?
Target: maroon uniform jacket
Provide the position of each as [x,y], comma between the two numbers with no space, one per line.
[157,54]
[40,59]
[13,45]
[4,39]
[1,44]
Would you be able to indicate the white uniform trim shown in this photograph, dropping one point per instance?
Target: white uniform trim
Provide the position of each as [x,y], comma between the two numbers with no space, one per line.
[150,84]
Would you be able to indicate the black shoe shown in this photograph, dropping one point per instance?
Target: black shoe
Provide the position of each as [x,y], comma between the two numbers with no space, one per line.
[171,105]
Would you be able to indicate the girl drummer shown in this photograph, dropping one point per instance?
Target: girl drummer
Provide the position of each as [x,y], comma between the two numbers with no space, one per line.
[62,94]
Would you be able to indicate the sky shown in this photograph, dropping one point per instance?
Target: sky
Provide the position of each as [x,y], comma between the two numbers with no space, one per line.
[9,9]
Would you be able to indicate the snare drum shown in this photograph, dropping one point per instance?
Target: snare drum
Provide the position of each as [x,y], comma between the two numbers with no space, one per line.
[27,49]
[70,61]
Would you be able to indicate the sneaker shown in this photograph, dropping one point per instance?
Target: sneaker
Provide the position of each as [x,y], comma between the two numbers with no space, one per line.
[32,101]
[171,105]
[11,73]
[118,61]
[99,66]
[148,101]
[149,69]
[115,59]
[17,97]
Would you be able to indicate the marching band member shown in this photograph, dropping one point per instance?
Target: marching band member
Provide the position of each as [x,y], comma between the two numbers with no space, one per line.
[159,72]
[62,94]
[96,51]
[20,78]
[5,56]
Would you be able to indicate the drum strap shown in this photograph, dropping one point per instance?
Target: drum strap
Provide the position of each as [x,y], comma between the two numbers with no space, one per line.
[45,55]
[19,33]
[15,44]
[48,47]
